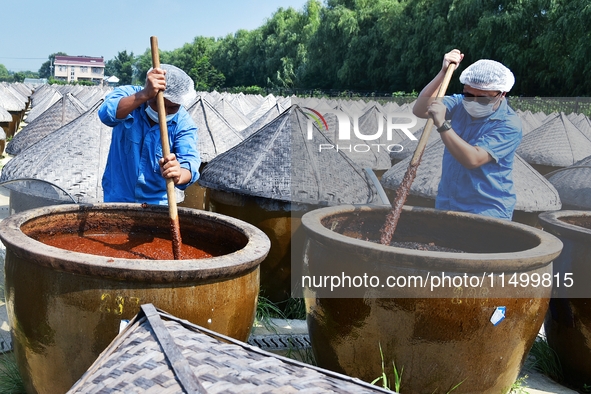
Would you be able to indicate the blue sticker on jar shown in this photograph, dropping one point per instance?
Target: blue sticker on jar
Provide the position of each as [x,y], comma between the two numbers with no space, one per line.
[498,316]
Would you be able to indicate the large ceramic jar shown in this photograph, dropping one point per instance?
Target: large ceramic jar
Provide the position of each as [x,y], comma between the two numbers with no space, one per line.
[65,307]
[448,316]
[568,321]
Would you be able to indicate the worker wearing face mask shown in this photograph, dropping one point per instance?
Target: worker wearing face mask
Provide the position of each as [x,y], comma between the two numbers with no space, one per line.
[136,170]
[480,132]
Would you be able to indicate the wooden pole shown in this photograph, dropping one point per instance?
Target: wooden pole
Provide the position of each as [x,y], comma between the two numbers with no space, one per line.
[175,229]
[387,230]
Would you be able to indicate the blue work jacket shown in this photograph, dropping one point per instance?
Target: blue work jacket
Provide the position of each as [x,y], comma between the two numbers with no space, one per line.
[132,173]
[486,190]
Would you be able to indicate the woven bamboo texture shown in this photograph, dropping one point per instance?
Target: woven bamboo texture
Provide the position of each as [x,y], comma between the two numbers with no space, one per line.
[258,111]
[557,143]
[42,103]
[232,115]
[40,94]
[279,162]
[364,153]
[263,120]
[139,361]
[9,101]
[373,105]
[242,104]
[73,89]
[583,123]
[5,117]
[574,184]
[215,134]
[62,112]
[23,98]
[23,89]
[534,193]
[528,121]
[91,95]
[73,158]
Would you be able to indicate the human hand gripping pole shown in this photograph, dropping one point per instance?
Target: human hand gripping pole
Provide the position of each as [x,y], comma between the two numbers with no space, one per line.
[387,230]
[175,229]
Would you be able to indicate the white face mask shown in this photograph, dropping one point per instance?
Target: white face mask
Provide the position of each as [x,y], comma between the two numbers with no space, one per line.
[477,110]
[154,115]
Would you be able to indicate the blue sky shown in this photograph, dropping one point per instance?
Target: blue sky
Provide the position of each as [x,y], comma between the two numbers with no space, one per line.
[31,30]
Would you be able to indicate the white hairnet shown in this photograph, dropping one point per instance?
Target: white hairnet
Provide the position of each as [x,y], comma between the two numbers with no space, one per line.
[488,75]
[180,88]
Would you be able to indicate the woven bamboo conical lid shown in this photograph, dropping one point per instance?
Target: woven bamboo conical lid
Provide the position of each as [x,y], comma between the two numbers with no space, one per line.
[268,103]
[263,120]
[528,121]
[160,353]
[574,184]
[557,143]
[215,134]
[534,192]
[73,157]
[279,162]
[583,123]
[9,101]
[43,104]
[62,112]
[233,116]
[5,117]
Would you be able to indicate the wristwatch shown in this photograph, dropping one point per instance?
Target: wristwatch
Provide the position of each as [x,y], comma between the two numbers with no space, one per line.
[444,127]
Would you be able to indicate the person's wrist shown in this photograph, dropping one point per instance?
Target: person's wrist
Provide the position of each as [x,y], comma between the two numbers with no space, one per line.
[142,95]
[445,126]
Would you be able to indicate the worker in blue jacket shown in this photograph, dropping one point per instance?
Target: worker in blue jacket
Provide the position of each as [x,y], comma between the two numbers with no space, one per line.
[481,134]
[136,170]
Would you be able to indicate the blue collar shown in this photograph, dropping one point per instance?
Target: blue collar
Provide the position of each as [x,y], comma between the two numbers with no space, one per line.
[501,112]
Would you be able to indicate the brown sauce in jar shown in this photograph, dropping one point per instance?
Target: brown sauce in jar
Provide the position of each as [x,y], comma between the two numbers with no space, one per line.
[123,245]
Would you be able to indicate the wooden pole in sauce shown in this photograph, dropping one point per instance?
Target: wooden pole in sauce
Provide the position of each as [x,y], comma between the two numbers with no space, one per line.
[387,230]
[175,229]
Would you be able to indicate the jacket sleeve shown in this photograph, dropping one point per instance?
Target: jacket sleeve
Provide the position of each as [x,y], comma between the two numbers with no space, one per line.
[185,147]
[108,110]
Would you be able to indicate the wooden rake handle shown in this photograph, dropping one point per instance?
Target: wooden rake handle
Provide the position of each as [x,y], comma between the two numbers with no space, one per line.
[170,193]
[387,230]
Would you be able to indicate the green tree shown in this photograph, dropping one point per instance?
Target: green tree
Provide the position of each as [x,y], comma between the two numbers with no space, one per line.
[237,57]
[46,68]
[19,76]
[122,67]
[143,63]
[397,45]
[275,54]
[4,74]
[194,59]
[566,62]
[349,47]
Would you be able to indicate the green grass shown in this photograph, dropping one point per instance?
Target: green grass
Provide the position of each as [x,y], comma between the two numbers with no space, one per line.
[10,379]
[291,309]
[301,354]
[519,386]
[397,376]
[384,377]
[543,358]
[267,310]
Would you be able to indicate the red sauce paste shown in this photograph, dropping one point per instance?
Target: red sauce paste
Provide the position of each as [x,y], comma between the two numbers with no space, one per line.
[123,245]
